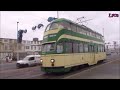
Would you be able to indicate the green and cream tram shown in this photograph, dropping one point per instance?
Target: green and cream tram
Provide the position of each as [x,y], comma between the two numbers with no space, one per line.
[67,44]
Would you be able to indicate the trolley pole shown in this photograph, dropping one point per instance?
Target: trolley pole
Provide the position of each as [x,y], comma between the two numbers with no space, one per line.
[17,43]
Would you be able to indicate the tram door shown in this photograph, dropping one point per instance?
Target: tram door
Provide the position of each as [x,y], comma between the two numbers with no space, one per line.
[92,53]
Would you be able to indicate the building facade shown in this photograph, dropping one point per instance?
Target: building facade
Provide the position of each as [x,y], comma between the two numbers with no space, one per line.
[10,47]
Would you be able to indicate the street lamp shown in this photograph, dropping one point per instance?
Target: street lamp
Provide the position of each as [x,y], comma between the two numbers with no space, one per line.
[17,43]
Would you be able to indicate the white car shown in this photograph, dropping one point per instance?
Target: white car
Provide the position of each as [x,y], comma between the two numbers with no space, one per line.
[29,60]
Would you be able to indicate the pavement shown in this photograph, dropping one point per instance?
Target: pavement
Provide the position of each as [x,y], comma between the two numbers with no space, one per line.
[7,65]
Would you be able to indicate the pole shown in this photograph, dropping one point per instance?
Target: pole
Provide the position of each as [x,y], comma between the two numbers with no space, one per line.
[57,14]
[17,43]
[119,33]
[0,24]
[103,32]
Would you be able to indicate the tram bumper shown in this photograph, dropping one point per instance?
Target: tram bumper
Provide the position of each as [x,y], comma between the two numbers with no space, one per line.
[53,69]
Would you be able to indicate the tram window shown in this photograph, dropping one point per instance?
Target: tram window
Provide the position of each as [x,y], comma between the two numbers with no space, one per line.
[60,48]
[48,27]
[79,30]
[95,48]
[90,33]
[99,48]
[75,48]
[54,26]
[68,47]
[73,27]
[86,47]
[65,25]
[81,47]
[102,48]
[48,47]
[90,48]
[83,32]
[87,33]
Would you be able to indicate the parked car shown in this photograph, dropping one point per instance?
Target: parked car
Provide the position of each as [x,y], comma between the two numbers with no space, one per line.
[29,60]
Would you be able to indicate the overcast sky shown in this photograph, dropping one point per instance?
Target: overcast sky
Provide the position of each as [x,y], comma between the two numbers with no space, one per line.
[27,19]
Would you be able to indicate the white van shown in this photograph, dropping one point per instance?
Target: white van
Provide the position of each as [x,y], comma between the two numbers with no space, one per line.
[29,60]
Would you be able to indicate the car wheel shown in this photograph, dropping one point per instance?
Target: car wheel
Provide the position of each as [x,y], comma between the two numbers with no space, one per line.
[27,65]
[18,65]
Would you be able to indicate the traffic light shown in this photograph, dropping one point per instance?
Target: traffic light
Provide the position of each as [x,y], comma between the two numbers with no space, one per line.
[19,36]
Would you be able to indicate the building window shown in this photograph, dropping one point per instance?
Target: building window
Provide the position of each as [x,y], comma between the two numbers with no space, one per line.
[34,47]
[5,40]
[39,47]
[24,42]
[31,47]
[27,47]
[19,47]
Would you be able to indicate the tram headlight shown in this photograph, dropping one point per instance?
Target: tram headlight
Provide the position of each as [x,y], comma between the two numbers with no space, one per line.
[52,60]
[41,60]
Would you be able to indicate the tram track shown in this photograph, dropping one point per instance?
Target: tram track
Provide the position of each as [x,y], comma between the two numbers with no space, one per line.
[63,75]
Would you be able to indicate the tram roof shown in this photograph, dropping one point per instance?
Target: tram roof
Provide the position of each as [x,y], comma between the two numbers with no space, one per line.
[82,26]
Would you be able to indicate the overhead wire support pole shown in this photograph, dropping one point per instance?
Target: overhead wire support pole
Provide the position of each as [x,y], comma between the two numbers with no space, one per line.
[57,14]
[103,32]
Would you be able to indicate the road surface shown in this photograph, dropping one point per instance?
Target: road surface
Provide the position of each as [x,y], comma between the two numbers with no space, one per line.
[9,71]
[110,70]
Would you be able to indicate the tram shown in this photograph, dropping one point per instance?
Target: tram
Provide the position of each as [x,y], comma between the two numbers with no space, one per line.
[67,44]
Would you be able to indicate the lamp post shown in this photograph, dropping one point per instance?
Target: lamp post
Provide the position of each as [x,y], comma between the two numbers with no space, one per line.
[17,43]
[0,24]
[119,33]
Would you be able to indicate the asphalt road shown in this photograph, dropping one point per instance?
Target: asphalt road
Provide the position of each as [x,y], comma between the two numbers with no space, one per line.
[9,71]
[110,70]
[7,66]
[11,66]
